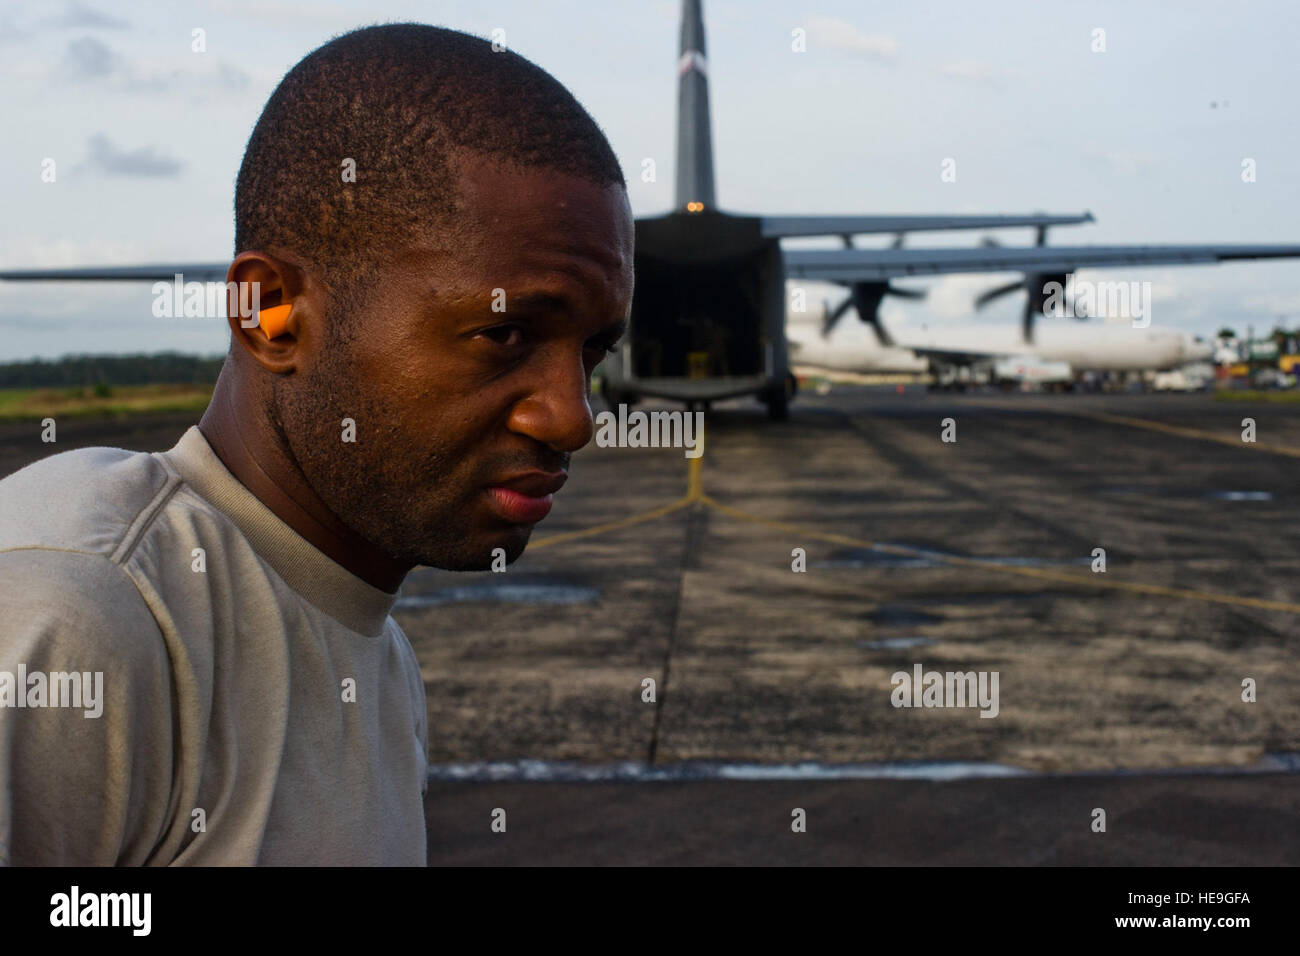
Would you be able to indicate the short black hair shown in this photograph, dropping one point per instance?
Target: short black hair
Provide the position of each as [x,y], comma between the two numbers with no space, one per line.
[399,100]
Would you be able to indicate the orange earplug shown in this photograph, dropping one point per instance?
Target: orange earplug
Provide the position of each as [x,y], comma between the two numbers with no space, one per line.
[274,320]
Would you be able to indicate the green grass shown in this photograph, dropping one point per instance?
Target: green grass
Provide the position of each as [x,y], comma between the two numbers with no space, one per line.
[1288,397]
[101,401]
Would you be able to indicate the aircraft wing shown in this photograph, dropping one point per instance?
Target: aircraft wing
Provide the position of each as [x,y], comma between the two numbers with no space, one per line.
[200,272]
[792,226]
[878,265]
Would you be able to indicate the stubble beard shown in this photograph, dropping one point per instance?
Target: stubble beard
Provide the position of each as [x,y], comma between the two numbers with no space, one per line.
[406,508]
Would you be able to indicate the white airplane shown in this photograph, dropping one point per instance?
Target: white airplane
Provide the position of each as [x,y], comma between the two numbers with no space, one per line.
[1084,346]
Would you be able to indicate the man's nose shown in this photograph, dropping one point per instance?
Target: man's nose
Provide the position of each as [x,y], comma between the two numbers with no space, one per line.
[557,412]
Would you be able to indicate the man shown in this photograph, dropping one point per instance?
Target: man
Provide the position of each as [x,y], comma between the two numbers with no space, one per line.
[452,233]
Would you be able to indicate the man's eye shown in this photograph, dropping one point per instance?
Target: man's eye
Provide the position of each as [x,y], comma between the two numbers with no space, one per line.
[507,335]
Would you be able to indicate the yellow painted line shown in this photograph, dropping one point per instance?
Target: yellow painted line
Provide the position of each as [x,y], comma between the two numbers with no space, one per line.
[695,480]
[695,473]
[1074,580]
[1179,430]
[1192,433]
[611,525]
[695,495]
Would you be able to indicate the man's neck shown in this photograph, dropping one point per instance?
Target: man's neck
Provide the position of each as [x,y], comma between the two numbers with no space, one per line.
[248,448]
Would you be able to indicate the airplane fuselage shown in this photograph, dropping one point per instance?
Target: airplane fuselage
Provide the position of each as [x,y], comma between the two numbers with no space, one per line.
[1084,346]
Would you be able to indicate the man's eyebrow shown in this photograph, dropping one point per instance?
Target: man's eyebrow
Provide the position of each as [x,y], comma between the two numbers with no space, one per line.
[557,302]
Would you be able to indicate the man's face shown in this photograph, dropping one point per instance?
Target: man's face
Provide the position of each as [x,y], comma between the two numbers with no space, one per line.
[466,416]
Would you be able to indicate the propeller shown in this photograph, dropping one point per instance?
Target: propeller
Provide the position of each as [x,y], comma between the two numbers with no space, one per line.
[1034,284]
[998,292]
[865,298]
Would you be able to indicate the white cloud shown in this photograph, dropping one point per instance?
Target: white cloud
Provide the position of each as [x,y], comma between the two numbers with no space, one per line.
[104,156]
[90,61]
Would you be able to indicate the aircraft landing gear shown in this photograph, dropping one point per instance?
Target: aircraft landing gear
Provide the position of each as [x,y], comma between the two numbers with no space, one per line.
[778,399]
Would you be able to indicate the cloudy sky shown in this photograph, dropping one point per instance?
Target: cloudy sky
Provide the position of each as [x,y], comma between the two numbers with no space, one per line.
[1150,135]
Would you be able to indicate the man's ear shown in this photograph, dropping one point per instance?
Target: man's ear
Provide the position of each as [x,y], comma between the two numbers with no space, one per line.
[271,311]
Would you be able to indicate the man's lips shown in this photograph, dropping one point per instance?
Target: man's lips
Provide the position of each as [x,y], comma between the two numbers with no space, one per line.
[535,484]
[525,498]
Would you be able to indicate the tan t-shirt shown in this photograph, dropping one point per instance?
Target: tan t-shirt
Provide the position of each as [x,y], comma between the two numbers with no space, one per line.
[257,703]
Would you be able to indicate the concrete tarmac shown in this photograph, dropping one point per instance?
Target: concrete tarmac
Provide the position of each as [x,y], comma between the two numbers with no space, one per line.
[970,555]
[1115,689]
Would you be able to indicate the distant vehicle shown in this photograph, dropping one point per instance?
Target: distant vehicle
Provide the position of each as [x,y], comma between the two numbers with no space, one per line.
[1028,370]
[1174,381]
[1195,377]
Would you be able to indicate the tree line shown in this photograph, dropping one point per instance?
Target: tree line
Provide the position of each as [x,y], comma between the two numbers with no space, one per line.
[163,368]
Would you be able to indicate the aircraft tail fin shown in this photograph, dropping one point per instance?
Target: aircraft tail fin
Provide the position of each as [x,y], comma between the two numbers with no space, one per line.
[694,133]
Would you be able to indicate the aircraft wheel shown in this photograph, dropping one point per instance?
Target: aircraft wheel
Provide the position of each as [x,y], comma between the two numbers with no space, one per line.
[778,403]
